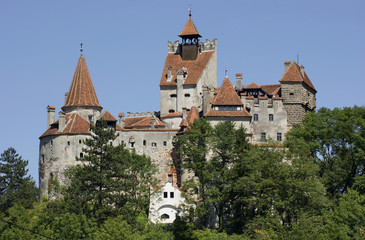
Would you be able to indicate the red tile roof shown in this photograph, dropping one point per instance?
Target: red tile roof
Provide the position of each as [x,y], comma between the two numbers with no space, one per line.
[252,86]
[194,68]
[142,122]
[107,116]
[121,115]
[242,113]
[75,124]
[171,115]
[192,115]
[227,95]
[271,89]
[184,123]
[189,29]
[82,92]
[294,74]
[51,107]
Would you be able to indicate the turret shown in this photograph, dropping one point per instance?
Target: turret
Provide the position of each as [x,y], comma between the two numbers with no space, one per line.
[190,41]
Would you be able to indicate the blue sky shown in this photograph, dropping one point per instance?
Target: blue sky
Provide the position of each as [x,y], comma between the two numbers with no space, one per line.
[125,45]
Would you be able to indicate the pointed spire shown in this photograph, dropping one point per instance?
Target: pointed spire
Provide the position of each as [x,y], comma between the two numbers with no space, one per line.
[189,29]
[82,92]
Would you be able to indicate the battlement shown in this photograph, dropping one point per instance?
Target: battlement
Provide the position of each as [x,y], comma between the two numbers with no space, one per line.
[203,46]
[141,114]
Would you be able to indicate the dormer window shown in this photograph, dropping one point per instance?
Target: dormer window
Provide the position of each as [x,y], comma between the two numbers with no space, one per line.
[227,108]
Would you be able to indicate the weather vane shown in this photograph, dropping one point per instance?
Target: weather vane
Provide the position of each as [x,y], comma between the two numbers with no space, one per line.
[189,9]
[81,47]
[226,72]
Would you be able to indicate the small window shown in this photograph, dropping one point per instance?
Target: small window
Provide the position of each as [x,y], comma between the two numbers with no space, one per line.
[255,117]
[80,141]
[164,143]
[122,143]
[164,194]
[90,117]
[81,155]
[171,194]
[169,178]
[111,143]
[131,144]
[173,96]
[68,143]
[291,94]
[263,136]
[51,143]
[42,158]
[144,143]
[165,216]
[171,111]
[187,95]
[279,137]
[271,117]
[154,144]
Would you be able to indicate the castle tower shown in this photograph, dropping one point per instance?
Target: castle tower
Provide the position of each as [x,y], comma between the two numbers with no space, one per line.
[298,93]
[62,142]
[189,66]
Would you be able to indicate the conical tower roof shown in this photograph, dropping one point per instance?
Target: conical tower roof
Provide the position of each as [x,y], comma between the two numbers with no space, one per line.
[189,30]
[227,95]
[82,92]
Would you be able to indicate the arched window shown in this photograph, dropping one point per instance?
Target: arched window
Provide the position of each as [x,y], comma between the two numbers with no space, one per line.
[165,216]
[271,117]
[173,95]
[187,95]
[144,143]
[255,117]
[171,111]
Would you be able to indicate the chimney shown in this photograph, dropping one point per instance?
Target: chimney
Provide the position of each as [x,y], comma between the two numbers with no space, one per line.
[179,90]
[50,115]
[61,120]
[238,81]
[168,73]
[286,65]
[121,119]
[66,95]
[152,122]
[302,70]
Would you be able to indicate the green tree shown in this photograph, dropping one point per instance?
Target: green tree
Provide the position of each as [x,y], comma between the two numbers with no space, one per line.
[110,180]
[15,186]
[336,141]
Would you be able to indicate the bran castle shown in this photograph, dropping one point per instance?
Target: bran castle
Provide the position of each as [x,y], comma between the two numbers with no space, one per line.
[188,91]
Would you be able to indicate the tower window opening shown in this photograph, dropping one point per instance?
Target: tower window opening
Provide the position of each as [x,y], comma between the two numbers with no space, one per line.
[164,194]
[154,144]
[171,194]
[144,143]
[68,143]
[255,117]
[81,155]
[165,216]
[164,143]
[271,117]
[51,143]
[173,96]
[279,137]
[187,95]
[171,111]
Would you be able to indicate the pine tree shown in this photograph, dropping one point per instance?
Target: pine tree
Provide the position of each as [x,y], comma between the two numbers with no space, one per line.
[110,180]
[15,185]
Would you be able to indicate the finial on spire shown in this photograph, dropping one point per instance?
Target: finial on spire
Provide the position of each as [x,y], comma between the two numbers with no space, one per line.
[226,72]
[81,47]
[189,9]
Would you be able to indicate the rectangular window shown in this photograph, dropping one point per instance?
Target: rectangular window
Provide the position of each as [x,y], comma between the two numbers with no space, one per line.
[68,143]
[263,136]
[278,137]
[154,144]
[80,141]
[164,143]
[171,194]
[81,155]
[164,194]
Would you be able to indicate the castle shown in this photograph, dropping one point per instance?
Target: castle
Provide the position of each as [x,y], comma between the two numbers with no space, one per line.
[188,91]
